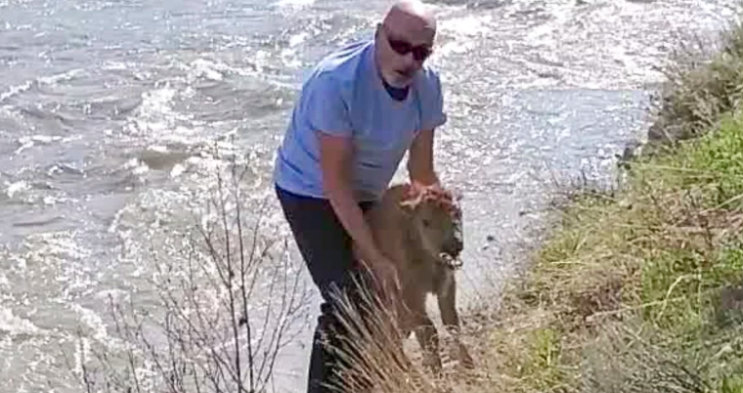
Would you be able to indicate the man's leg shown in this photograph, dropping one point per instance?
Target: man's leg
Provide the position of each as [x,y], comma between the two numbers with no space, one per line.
[327,251]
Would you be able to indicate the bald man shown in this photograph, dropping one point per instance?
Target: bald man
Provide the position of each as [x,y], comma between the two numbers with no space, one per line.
[359,111]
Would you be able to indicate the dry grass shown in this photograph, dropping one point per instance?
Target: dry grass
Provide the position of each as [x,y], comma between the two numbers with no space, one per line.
[374,352]
[703,83]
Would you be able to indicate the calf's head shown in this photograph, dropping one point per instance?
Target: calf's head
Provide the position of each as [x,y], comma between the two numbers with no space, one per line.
[436,220]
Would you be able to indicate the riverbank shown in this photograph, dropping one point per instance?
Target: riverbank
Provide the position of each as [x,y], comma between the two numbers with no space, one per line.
[640,288]
[637,288]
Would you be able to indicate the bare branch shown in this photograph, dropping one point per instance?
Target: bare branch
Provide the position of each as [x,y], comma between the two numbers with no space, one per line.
[226,306]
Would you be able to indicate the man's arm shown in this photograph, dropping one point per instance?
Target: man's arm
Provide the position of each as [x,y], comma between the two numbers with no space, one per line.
[335,154]
[420,155]
[420,159]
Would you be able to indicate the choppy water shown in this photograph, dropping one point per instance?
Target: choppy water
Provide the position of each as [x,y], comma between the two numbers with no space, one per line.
[109,111]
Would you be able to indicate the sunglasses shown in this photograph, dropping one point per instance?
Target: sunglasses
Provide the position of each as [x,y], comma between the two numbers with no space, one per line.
[420,52]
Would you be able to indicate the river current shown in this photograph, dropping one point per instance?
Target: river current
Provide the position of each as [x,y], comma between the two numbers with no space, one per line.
[109,113]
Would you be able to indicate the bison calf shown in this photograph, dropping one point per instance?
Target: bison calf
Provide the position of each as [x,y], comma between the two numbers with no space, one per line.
[420,230]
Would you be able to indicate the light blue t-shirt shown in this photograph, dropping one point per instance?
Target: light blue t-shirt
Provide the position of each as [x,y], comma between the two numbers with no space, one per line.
[344,95]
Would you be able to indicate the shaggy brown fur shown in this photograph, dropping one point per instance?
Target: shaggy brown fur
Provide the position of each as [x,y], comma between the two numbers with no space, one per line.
[419,229]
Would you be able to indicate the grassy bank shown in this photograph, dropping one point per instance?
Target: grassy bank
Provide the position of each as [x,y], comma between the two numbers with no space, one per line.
[641,289]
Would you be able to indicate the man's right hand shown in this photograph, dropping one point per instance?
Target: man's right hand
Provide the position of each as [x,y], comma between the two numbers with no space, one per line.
[386,281]
[385,272]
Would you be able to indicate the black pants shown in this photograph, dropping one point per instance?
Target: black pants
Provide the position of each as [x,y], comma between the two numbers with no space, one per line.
[326,249]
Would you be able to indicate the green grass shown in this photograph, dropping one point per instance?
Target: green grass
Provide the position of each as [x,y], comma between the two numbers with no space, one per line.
[632,291]
[641,289]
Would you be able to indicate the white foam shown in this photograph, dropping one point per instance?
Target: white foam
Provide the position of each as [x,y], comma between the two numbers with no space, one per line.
[178,169]
[156,114]
[455,47]
[27,142]
[294,3]
[465,31]
[290,59]
[467,26]
[117,66]
[82,352]
[551,31]
[13,90]
[157,102]
[64,76]
[17,187]
[14,325]
[207,69]
[298,39]
[21,262]
[93,321]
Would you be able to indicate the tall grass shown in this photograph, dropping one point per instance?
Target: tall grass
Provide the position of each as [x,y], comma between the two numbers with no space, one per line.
[641,289]
[703,82]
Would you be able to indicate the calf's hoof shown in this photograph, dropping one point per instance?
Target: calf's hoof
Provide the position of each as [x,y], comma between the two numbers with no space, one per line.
[465,359]
[433,363]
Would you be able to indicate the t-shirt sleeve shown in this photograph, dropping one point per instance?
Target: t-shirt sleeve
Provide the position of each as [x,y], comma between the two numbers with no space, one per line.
[325,108]
[433,115]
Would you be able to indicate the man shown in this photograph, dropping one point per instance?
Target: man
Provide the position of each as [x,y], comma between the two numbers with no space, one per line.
[359,111]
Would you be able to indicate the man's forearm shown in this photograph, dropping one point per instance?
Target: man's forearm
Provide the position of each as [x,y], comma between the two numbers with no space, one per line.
[422,174]
[352,219]
[426,178]
[420,161]
[335,153]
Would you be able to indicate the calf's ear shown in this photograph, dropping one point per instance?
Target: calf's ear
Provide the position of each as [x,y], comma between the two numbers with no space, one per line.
[408,205]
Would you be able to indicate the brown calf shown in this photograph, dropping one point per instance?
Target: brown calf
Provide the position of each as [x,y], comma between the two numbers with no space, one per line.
[420,230]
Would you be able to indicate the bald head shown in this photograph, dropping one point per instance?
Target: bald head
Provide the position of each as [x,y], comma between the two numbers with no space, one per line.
[411,14]
[404,40]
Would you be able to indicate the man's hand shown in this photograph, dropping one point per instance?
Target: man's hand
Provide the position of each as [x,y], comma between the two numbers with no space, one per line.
[386,280]
[386,272]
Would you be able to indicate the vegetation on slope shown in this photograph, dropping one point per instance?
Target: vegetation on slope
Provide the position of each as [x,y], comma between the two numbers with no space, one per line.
[641,289]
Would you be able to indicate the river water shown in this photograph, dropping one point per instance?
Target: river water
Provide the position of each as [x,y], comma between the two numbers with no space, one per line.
[109,111]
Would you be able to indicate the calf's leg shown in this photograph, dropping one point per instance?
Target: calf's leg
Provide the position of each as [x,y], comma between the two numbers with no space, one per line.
[425,331]
[447,305]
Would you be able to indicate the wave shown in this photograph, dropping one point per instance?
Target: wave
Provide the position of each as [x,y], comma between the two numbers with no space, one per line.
[15,325]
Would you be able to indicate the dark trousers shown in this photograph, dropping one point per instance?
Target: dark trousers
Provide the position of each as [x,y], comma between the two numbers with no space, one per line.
[326,249]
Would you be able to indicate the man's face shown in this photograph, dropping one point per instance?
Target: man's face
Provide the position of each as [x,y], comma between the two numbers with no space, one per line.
[402,51]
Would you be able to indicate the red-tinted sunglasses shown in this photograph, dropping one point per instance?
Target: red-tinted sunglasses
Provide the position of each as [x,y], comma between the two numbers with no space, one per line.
[420,52]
